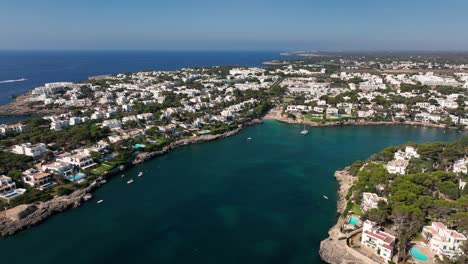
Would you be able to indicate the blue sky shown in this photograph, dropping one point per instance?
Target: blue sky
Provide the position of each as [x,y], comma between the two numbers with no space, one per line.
[235,25]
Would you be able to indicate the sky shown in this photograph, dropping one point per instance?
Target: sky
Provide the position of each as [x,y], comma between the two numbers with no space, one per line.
[234,25]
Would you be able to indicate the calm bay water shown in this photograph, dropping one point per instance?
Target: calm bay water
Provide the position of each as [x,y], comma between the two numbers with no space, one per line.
[226,201]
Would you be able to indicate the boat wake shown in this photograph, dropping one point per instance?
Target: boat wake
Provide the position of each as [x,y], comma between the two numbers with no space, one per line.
[11,81]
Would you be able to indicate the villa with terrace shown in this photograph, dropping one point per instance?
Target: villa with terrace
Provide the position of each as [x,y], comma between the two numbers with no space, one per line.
[370,200]
[81,159]
[442,241]
[58,167]
[40,180]
[8,188]
[381,242]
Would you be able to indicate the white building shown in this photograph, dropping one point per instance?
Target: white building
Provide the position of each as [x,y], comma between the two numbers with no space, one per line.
[460,166]
[80,160]
[31,150]
[410,152]
[59,168]
[112,123]
[370,201]
[443,241]
[8,188]
[41,180]
[13,128]
[397,166]
[381,242]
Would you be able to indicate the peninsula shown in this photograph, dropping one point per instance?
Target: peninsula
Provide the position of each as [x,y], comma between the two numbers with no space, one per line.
[406,203]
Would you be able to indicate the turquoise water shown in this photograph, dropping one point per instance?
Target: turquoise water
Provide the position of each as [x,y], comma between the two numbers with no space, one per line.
[353,220]
[418,255]
[228,201]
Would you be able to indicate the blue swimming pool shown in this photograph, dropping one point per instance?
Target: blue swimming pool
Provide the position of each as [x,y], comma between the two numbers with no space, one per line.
[138,146]
[353,220]
[77,177]
[418,255]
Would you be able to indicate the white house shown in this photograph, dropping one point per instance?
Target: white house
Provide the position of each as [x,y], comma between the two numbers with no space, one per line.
[381,242]
[112,123]
[370,200]
[59,168]
[443,241]
[460,166]
[41,180]
[8,188]
[409,153]
[12,128]
[81,160]
[397,166]
[31,150]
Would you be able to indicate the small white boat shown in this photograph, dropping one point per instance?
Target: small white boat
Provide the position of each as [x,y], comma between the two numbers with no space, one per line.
[249,138]
[325,197]
[130,181]
[140,174]
[100,201]
[305,131]
[123,175]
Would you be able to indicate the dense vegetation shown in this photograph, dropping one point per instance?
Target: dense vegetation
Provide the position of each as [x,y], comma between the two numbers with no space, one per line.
[428,193]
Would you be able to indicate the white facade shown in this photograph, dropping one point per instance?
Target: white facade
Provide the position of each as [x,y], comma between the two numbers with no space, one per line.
[397,166]
[381,242]
[444,241]
[370,200]
[31,150]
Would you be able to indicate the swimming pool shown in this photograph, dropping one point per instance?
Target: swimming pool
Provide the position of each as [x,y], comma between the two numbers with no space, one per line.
[77,177]
[353,220]
[139,146]
[11,195]
[418,255]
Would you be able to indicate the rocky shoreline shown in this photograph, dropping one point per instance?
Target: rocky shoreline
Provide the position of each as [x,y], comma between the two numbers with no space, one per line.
[23,217]
[334,249]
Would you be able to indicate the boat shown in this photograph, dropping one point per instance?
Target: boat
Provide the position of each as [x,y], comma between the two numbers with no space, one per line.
[100,201]
[130,181]
[305,131]
[140,174]
[249,138]
[123,175]
[325,197]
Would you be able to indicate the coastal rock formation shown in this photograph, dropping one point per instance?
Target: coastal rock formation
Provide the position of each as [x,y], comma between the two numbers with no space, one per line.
[10,226]
[21,106]
[334,249]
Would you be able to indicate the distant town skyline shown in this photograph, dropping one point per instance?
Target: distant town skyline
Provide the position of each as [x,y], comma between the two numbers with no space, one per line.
[235,25]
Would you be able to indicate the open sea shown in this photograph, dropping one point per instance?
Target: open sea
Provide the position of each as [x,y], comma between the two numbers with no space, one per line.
[227,201]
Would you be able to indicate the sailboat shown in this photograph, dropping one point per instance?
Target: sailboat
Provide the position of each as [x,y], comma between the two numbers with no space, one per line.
[305,131]
[140,174]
